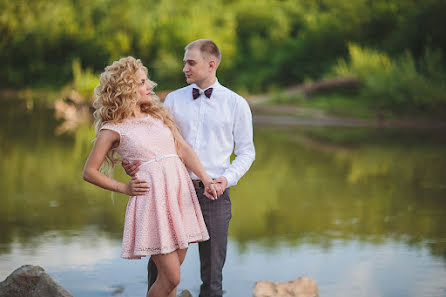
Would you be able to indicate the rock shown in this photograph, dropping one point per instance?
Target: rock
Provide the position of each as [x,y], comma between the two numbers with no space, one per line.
[31,281]
[301,287]
[185,293]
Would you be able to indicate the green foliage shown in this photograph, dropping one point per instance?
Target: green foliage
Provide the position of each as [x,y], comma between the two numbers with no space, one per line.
[420,24]
[399,84]
[282,98]
[363,62]
[264,42]
[84,81]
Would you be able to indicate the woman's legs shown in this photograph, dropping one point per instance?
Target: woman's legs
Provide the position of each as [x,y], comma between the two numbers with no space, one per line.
[168,273]
[181,255]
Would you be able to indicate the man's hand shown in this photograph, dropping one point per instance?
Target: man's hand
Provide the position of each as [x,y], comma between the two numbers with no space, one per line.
[131,168]
[137,187]
[222,182]
[219,188]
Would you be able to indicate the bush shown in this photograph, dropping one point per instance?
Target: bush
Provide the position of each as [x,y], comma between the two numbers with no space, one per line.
[84,81]
[397,84]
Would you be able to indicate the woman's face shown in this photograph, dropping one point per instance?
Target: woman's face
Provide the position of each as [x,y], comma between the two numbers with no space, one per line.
[145,88]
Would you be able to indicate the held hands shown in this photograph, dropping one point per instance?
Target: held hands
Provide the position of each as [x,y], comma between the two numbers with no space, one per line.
[215,188]
[223,182]
[211,190]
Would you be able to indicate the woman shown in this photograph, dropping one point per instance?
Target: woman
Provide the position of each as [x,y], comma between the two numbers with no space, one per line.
[163,214]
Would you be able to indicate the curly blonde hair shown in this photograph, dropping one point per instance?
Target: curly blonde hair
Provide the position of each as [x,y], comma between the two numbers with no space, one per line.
[117,96]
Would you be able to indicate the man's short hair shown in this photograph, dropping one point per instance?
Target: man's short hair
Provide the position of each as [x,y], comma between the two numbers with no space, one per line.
[207,47]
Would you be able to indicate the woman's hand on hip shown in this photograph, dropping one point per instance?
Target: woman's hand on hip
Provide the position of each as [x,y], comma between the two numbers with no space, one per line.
[137,187]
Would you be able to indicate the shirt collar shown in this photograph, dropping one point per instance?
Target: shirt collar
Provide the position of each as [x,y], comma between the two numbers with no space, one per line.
[215,85]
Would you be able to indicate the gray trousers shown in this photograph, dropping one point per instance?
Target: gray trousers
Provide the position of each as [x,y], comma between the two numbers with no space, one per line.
[216,214]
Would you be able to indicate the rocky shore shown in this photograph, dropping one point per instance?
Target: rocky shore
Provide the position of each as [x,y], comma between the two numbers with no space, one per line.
[33,281]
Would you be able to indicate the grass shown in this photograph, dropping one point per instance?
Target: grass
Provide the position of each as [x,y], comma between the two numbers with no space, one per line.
[340,105]
[332,104]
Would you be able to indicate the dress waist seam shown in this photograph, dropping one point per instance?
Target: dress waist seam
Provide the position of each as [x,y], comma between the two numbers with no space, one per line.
[159,158]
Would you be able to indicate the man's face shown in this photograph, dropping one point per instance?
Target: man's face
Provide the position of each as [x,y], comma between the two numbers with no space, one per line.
[196,68]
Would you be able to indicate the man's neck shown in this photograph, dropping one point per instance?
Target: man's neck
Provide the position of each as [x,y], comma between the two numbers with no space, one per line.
[207,83]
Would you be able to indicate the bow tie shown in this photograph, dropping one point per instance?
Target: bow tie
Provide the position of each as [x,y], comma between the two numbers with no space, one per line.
[196,93]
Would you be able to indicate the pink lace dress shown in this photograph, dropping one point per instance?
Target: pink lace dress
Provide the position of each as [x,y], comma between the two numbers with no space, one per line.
[168,217]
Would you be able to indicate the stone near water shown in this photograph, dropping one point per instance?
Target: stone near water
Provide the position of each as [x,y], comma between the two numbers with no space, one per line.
[300,287]
[185,293]
[31,281]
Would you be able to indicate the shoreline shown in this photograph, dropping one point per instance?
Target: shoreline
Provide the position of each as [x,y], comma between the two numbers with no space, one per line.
[263,112]
[283,116]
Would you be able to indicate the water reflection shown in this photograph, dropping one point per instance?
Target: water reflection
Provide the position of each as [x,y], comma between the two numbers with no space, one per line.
[318,185]
[344,205]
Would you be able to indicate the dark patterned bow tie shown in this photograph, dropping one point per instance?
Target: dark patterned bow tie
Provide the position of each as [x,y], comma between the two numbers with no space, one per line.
[196,93]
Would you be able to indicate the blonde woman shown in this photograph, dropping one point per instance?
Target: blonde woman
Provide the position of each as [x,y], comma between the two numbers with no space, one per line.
[163,214]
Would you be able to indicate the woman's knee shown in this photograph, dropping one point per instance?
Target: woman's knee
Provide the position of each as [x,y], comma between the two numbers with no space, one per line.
[168,270]
[173,280]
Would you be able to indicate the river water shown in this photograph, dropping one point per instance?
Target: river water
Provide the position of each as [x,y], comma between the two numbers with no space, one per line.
[362,211]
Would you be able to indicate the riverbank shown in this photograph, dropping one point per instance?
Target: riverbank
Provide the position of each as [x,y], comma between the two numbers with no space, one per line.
[266,109]
[290,115]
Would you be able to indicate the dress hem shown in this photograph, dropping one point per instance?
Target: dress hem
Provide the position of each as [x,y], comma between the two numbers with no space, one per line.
[161,251]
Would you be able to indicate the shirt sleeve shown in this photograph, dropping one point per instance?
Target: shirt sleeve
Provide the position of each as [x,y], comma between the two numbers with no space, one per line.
[244,144]
[168,102]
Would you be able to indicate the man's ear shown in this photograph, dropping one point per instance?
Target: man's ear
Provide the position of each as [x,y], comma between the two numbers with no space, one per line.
[212,64]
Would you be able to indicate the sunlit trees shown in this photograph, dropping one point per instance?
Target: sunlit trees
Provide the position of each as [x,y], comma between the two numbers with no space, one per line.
[265,43]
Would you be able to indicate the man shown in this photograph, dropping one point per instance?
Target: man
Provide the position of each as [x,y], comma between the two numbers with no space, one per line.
[212,119]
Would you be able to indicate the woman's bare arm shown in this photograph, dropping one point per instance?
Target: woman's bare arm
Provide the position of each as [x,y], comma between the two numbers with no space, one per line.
[104,142]
[192,162]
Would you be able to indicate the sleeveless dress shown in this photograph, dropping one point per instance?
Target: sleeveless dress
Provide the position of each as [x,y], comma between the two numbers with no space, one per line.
[168,217]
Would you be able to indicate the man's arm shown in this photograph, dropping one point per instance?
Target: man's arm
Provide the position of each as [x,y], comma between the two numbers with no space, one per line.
[244,145]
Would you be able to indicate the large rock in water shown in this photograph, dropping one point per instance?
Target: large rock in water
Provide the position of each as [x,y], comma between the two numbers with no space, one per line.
[31,281]
[301,287]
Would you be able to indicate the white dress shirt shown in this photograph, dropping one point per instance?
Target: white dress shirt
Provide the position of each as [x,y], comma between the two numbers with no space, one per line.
[212,126]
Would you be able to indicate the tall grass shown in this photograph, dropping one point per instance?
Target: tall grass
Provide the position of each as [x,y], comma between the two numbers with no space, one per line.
[84,81]
[399,84]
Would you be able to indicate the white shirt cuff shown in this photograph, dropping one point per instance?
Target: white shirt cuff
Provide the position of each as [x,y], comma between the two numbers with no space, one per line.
[231,179]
